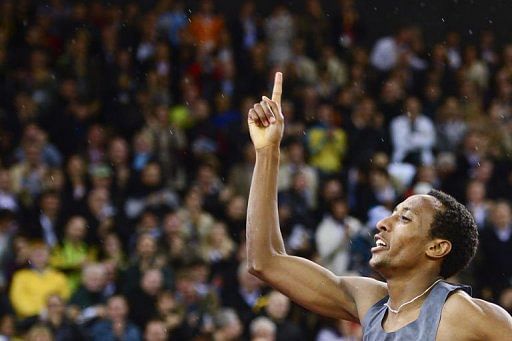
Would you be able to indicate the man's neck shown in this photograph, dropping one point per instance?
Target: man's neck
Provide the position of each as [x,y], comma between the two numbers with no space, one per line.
[404,289]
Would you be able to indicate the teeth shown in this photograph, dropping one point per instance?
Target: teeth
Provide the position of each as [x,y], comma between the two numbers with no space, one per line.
[380,243]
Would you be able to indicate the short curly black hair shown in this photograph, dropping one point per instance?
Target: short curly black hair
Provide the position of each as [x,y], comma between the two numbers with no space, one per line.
[454,223]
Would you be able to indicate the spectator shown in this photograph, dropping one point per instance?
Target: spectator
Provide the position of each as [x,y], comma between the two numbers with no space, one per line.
[477,202]
[388,50]
[155,331]
[54,317]
[277,309]
[326,142]
[39,333]
[451,126]
[149,192]
[146,257]
[116,324]
[169,311]
[227,325]
[7,231]
[45,222]
[496,252]
[217,246]
[99,213]
[31,287]
[143,298]
[334,237]
[73,253]
[8,199]
[413,135]
[205,26]
[76,183]
[280,31]
[340,330]
[240,176]
[263,329]
[245,296]
[294,162]
[27,176]
[89,299]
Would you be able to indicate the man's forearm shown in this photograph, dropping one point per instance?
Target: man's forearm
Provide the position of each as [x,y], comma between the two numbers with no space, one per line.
[263,235]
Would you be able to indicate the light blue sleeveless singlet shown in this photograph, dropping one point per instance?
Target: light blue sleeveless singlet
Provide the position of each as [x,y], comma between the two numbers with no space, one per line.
[424,328]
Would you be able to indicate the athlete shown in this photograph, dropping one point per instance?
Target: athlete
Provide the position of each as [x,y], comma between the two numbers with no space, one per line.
[427,239]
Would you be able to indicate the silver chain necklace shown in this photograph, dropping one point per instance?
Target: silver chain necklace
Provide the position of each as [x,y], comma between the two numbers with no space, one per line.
[396,311]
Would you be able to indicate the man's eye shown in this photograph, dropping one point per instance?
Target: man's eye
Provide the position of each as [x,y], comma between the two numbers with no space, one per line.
[404,218]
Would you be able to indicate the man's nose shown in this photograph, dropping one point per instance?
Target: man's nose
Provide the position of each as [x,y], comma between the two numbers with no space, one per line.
[384,224]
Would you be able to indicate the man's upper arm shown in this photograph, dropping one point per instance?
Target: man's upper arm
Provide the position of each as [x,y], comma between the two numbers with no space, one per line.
[494,321]
[476,319]
[319,290]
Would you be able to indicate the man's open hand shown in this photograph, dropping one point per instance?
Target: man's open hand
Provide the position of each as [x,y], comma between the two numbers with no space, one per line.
[265,119]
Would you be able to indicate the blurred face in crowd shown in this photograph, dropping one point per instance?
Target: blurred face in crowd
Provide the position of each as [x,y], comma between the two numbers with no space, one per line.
[55,305]
[118,151]
[50,203]
[237,208]
[332,189]
[263,329]
[39,333]
[5,180]
[166,302]
[194,199]
[151,175]
[7,326]
[98,199]
[94,277]
[76,229]
[218,234]
[475,192]
[112,244]
[339,209]
[142,143]
[172,224]
[246,280]
[229,326]
[155,331]
[501,215]
[300,182]
[296,153]
[33,154]
[326,114]
[146,246]
[39,256]
[278,306]
[426,174]
[484,171]
[152,282]
[76,166]
[117,308]
[412,107]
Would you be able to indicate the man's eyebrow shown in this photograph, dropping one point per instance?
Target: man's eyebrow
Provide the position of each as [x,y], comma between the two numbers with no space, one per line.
[405,209]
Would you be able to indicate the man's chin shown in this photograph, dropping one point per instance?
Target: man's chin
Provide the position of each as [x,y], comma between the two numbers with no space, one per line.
[375,262]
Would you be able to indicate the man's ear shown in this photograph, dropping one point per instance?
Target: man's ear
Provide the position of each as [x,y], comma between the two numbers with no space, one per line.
[438,248]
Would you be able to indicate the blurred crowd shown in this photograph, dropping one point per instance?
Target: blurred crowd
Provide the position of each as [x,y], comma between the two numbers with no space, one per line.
[125,160]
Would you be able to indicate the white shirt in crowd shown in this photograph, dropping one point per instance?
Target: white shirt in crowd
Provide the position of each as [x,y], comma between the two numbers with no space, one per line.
[408,138]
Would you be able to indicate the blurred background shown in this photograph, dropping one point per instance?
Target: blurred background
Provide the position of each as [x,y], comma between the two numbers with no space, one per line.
[125,159]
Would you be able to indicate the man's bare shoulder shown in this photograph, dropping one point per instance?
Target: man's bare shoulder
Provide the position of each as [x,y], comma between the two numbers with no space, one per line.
[365,291]
[475,318]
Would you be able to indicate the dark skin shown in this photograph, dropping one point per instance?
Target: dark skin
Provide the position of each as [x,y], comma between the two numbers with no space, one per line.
[409,259]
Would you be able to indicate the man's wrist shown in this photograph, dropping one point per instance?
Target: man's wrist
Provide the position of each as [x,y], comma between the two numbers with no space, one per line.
[268,149]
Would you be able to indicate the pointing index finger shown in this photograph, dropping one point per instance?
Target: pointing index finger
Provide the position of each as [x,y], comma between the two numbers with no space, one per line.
[278,88]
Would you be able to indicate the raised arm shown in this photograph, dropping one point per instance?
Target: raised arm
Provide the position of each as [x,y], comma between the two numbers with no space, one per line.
[305,282]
